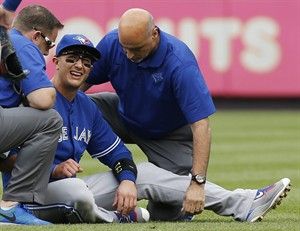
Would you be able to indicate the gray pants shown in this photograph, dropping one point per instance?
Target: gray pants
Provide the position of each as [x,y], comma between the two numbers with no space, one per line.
[92,197]
[36,132]
[174,153]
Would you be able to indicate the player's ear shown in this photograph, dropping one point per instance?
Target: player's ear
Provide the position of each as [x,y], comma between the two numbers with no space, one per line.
[55,61]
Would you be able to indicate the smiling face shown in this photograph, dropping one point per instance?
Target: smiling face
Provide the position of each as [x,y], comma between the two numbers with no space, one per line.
[72,69]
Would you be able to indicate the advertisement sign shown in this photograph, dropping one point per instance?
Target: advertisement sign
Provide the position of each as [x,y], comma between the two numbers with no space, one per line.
[246,48]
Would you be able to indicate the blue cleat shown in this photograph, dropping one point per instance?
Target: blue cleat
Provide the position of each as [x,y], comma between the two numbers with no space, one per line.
[268,198]
[19,216]
[186,217]
[136,215]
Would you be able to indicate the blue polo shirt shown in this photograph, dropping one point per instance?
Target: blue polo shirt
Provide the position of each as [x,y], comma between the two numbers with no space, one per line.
[31,59]
[158,95]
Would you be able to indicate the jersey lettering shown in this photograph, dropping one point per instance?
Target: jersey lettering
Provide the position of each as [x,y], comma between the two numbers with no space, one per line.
[85,135]
[64,134]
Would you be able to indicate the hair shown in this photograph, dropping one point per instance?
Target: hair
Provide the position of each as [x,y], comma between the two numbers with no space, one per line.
[36,16]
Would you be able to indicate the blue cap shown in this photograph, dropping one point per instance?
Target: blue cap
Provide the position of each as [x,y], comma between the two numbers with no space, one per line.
[70,41]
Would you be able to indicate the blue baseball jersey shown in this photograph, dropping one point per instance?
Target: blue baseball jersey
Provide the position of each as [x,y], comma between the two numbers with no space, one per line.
[31,59]
[84,128]
[11,5]
[163,92]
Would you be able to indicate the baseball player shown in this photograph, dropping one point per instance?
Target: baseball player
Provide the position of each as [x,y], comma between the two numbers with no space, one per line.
[163,105]
[35,129]
[84,129]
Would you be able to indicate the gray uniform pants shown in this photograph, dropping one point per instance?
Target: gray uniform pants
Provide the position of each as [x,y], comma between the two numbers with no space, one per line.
[36,132]
[90,200]
[173,153]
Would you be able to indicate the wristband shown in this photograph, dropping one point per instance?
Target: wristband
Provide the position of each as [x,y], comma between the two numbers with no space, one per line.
[124,164]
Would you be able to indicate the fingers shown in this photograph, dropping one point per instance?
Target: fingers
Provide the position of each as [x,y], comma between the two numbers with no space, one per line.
[68,168]
[71,167]
[194,200]
[125,203]
[193,207]
[126,197]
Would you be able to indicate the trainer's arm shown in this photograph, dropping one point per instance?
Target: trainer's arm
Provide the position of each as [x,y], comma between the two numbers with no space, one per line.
[195,196]
[7,10]
[43,98]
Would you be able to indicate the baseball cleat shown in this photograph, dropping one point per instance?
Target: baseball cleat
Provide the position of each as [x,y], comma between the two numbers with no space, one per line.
[137,215]
[268,198]
[19,216]
[186,217]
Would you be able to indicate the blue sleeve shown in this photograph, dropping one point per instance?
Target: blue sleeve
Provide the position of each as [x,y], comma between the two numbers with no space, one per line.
[33,61]
[108,147]
[192,94]
[99,73]
[11,5]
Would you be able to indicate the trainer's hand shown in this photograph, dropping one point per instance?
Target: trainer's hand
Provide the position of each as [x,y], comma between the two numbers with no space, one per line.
[194,199]
[65,169]
[125,197]
[6,17]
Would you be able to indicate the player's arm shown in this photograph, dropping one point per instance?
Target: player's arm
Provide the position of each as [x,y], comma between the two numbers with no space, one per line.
[125,171]
[195,197]
[108,148]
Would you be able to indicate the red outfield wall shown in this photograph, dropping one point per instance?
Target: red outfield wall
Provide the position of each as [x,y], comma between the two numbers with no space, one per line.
[246,48]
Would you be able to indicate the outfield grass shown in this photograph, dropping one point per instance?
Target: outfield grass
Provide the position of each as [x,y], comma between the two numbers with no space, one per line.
[250,149]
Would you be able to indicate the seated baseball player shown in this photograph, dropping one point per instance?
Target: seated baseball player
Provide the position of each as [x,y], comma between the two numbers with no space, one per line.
[74,200]
[83,130]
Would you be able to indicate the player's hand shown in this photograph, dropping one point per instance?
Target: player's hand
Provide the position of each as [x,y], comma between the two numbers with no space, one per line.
[6,17]
[194,199]
[68,168]
[125,197]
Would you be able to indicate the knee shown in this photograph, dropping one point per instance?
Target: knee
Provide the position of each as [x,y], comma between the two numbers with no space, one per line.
[52,120]
[146,169]
[80,193]
[56,119]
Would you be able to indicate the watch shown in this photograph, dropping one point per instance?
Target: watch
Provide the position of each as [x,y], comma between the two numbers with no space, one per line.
[199,179]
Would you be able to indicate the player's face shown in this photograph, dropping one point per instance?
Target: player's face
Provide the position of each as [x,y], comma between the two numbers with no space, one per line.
[73,69]
[140,48]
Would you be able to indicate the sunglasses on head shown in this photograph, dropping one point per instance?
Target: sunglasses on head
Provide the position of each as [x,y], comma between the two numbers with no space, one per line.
[48,41]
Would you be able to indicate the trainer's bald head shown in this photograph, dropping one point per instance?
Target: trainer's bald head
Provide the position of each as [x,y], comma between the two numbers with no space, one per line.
[136,22]
[138,34]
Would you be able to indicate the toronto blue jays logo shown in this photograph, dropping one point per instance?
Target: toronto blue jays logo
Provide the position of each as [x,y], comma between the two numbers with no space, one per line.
[83,40]
[157,77]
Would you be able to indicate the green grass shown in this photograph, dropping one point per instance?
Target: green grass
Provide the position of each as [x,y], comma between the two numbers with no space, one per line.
[250,149]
